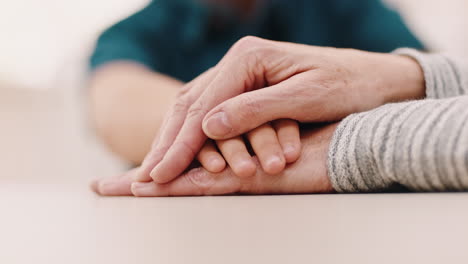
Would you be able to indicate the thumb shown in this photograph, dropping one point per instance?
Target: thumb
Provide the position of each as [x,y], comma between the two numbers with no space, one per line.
[247,111]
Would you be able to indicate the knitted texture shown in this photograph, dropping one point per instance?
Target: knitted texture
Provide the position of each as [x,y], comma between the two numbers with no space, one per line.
[421,145]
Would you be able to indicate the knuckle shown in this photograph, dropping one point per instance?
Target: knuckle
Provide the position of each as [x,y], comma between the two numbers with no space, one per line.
[201,180]
[250,108]
[250,45]
[180,106]
[196,110]
[188,148]
[251,54]
[183,91]
[248,42]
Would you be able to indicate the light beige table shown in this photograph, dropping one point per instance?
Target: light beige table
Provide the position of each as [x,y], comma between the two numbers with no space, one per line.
[48,215]
[68,224]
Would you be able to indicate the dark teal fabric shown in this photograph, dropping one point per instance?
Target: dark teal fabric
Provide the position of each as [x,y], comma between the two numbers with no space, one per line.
[183,38]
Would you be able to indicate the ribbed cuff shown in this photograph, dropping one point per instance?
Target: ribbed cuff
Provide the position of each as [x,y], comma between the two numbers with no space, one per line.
[344,171]
[442,74]
[361,154]
[336,160]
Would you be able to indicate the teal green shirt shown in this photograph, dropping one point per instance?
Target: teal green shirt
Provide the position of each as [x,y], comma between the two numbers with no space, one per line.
[183,38]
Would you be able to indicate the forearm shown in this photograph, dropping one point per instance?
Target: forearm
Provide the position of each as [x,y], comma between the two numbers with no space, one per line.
[421,145]
[445,76]
[128,102]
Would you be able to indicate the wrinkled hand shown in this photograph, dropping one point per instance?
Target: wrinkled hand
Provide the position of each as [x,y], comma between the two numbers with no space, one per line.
[300,82]
[307,175]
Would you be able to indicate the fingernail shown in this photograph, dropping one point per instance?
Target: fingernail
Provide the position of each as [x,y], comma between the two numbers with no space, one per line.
[94,186]
[218,125]
[154,172]
[245,168]
[138,175]
[217,164]
[289,149]
[274,161]
[146,160]
[141,175]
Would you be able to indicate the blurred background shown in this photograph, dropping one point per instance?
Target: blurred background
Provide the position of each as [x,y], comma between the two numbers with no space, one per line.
[44,134]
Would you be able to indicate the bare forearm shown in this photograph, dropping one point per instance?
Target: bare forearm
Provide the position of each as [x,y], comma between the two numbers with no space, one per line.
[128,102]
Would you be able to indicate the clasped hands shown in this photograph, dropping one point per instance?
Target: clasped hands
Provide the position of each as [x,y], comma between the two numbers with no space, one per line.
[250,104]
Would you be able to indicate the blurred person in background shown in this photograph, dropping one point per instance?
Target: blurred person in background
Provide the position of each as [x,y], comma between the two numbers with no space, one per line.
[140,63]
[377,122]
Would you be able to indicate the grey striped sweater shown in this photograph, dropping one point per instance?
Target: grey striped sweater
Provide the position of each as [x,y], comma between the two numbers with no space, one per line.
[419,145]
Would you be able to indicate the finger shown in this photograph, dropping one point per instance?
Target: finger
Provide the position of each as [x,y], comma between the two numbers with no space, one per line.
[238,72]
[191,138]
[266,146]
[115,186]
[172,124]
[210,158]
[289,137]
[199,182]
[179,156]
[166,136]
[196,182]
[247,111]
[237,156]
[307,175]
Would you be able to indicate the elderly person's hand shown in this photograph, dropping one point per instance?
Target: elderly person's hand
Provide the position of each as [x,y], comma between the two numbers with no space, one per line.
[307,175]
[259,81]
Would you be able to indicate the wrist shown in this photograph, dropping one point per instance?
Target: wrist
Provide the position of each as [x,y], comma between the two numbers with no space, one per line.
[403,79]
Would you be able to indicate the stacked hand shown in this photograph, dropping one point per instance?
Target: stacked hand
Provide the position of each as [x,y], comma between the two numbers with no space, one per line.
[307,175]
[274,144]
[256,83]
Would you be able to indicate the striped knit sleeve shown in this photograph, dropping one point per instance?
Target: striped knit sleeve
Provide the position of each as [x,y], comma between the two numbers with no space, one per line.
[445,76]
[420,145]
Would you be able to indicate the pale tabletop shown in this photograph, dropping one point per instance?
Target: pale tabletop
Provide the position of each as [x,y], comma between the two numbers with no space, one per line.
[65,223]
[55,224]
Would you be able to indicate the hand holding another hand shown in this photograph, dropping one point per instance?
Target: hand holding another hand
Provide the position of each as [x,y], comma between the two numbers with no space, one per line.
[307,175]
[275,145]
[259,81]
